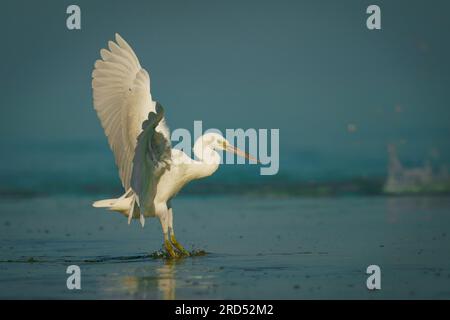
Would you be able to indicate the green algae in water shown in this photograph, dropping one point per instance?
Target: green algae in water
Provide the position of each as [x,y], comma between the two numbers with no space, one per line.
[198,253]
[31,260]
[24,260]
[163,254]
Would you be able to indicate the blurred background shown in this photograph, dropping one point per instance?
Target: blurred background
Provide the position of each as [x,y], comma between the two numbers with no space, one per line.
[338,92]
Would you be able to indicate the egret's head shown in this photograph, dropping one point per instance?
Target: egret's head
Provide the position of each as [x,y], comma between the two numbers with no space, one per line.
[219,143]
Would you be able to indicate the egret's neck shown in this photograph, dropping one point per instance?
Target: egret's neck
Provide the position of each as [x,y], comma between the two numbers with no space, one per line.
[209,159]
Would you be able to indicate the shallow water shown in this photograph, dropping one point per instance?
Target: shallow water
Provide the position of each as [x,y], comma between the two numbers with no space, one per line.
[258,248]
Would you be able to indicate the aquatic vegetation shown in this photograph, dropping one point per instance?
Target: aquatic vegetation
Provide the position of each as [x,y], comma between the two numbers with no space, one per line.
[163,254]
[21,260]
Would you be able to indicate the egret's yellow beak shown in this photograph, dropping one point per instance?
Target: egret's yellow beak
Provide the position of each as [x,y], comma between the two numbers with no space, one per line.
[230,148]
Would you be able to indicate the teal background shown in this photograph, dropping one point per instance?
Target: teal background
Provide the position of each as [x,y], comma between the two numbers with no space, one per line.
[309,68]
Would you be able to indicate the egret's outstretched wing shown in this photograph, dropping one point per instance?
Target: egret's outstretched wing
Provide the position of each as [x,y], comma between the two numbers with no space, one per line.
[122,100]
[151,159]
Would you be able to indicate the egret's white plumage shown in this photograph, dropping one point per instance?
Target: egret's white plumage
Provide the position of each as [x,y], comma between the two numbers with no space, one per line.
[151,172]
[122,99]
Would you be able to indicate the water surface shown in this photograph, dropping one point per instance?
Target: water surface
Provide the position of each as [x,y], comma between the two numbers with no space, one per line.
[258,248]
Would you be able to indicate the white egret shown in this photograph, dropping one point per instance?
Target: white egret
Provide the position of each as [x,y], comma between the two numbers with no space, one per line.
[152,173]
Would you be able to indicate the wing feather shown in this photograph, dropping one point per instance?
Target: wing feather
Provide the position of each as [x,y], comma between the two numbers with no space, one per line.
[122,99]
[151,159]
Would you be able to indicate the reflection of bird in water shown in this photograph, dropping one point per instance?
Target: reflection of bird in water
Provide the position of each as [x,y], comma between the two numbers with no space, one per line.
[152,173]
[166,280]
[142,286]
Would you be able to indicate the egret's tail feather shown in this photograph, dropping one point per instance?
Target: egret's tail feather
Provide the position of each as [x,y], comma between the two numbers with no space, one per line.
[121,204]
[104,203]
[124,205]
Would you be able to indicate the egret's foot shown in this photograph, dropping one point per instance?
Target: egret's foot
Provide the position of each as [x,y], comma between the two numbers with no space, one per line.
[169,249]
[179,247]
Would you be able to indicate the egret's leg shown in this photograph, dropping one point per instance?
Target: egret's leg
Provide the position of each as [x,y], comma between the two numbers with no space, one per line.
[165,227]
[172,235]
